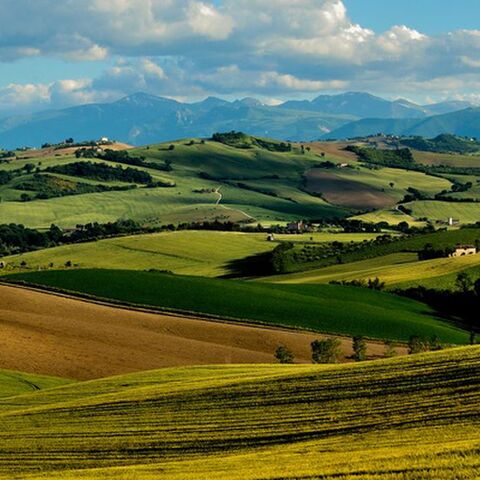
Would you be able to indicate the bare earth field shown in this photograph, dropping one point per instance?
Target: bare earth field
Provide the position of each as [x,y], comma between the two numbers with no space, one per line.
[346,193]
[61,336]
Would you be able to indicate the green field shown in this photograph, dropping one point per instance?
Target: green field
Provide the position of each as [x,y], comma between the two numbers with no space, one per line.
[204,253]
[322,308]
[199,167]
[394,269]
[16,383]
[465,213]
[449,159]
[403,419]
[238,184]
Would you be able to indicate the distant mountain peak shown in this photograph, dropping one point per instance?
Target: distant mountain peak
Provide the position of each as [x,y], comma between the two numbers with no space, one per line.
[142,99]
[250,102]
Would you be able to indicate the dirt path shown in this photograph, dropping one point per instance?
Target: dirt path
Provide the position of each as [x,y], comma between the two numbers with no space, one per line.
[56,335]
[219,204]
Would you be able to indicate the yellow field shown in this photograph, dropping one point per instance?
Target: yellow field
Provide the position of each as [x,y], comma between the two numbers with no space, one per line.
[403,419]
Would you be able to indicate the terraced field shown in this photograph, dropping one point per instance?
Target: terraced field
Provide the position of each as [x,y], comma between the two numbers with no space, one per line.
[203,253]
[321,308]
[410,418]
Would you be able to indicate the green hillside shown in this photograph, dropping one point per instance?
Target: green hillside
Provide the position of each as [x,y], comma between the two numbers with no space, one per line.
[407,418]
[193,180]
[211,181]
[322,308]
[205,253]
[16,383]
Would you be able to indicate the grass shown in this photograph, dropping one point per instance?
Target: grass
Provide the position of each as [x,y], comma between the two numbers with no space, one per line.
[402,419]
[322,308]
[181,204]
[16,383]
[452,160]
[465,213]
[204,253]
[393,269]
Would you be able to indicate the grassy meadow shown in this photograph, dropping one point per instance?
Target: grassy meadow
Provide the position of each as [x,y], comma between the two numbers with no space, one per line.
[204,253]
[405,418]
[393,269]
[17,383]
[322,308]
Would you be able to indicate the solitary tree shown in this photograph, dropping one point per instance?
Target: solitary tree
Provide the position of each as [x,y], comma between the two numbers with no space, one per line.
[415,345]
[359,349]
[473,338]
[435,344]
[326,350]
[171,147]
[390,350]
[284,355]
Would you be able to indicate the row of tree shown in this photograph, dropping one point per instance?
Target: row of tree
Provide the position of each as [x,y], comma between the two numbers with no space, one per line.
[328,350]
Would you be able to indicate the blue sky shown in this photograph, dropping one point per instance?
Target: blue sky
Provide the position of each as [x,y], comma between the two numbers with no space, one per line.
[55,54]
[429,16]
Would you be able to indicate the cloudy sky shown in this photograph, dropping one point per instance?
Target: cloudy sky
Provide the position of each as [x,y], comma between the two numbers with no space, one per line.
[60,53]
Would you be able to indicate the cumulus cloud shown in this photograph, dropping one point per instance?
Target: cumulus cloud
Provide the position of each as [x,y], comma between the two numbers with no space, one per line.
[188,48]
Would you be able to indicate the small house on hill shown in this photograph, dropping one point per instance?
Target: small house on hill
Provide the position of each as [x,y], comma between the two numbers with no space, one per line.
[296,227]
[464,250]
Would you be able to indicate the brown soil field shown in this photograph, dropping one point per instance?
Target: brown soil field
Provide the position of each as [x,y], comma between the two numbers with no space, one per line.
[335,149]
[52,152]
[67,337]
[346,193]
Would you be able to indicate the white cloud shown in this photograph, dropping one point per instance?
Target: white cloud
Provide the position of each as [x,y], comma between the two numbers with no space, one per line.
[188,48]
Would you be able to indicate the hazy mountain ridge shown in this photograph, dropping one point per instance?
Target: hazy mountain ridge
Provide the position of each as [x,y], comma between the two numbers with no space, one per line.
[142,118]
[462,123]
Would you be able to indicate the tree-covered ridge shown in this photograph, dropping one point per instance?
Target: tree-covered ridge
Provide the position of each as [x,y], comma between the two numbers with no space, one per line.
[103,172]
[444,143]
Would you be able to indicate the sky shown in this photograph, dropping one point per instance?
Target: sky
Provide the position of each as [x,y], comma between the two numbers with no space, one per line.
[54,54]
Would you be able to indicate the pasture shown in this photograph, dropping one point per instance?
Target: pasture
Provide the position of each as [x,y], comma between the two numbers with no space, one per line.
[204,253]
[393,269]
[465,213]
[16,383]
[321,308]
[407,418]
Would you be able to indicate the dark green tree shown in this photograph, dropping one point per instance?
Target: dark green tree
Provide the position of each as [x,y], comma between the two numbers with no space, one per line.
[359,346]
[326,350]
[284,355]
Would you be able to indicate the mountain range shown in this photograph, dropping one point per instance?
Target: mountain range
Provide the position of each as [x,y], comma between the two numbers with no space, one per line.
[142,118]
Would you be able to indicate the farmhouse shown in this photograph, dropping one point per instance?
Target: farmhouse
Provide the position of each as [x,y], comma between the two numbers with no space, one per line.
[296,227]
[464,250]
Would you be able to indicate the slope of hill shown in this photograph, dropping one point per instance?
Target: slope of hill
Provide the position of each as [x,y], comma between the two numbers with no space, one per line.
[408,418]
[321,308]
[464,123]
[205,253]
[206,181]
[17,383]
[66,337]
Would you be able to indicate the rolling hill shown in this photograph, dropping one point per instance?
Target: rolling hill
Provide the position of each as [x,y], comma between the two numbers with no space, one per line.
[409,418]
[321,308]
